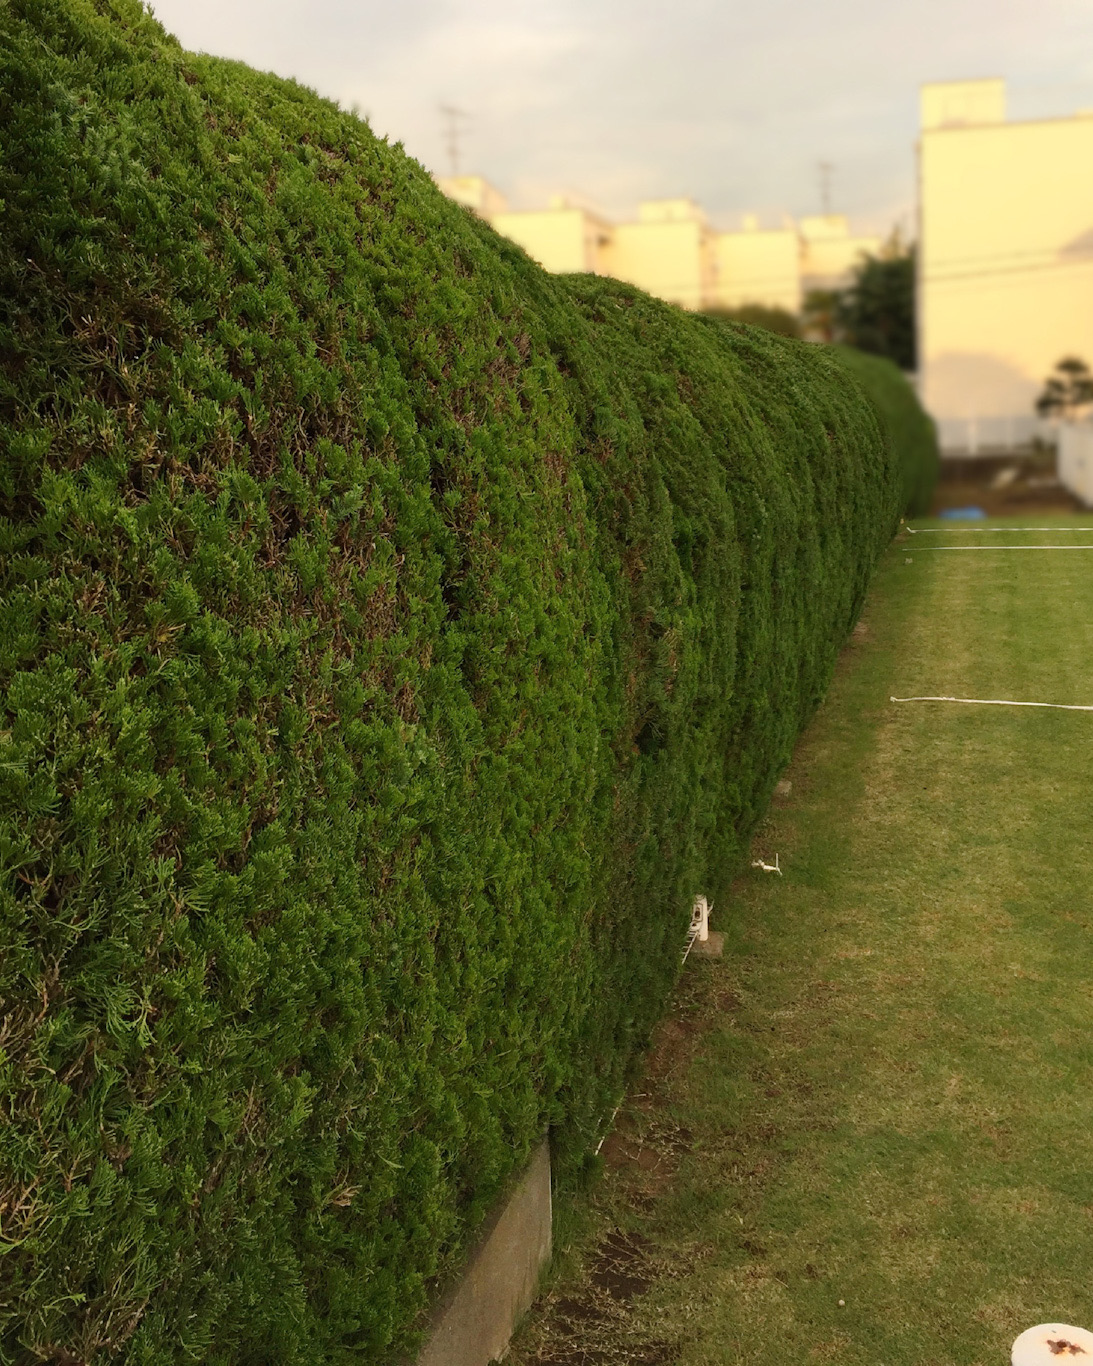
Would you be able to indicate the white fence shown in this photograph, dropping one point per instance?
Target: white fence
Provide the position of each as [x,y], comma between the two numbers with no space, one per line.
[1075,459]
[993,435]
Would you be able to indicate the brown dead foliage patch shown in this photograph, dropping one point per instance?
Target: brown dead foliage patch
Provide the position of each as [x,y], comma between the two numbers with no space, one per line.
[589,1325]
[591,1319]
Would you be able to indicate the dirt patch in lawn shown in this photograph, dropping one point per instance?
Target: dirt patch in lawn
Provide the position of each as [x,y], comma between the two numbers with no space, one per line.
[590,1319]
[1003,486]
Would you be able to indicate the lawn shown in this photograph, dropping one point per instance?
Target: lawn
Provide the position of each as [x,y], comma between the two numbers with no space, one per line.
[865,1134]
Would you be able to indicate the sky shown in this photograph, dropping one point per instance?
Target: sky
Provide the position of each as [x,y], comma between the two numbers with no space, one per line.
[614,101]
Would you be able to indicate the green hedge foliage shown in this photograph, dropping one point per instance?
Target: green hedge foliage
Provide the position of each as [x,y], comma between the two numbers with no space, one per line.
[393,640]
[908,428]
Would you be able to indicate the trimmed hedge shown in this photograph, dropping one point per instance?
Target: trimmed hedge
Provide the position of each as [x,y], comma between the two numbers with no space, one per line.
[393,639]
[908,427]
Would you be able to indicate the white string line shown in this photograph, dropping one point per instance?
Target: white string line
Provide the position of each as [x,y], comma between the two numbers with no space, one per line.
[994,530]
[607,1130]
[993,702]
[1006,547]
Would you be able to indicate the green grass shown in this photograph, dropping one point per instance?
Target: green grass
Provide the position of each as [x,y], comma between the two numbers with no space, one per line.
[891,1100]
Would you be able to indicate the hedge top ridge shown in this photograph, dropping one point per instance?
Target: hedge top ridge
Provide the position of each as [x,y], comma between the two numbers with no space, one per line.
[393,639]
[908,428]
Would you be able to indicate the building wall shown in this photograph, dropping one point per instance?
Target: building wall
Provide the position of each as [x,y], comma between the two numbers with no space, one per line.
[666,253]
[1075,463]
[755,267]
[953,104]
[829,252]
[473,192]
[670,250]
[1005,252]
[560,239]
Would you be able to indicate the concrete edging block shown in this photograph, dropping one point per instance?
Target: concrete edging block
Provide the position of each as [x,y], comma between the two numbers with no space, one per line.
[713,946]
[474,1321]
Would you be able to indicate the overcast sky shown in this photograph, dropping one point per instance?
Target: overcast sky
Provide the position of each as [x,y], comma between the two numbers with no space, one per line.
[732,103]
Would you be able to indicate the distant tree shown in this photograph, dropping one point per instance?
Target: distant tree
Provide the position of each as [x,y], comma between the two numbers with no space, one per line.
[1068,391]
[820,314]
[778,320]
[876,312]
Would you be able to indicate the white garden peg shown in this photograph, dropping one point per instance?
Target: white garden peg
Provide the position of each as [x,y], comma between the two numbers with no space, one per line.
[1053,1343]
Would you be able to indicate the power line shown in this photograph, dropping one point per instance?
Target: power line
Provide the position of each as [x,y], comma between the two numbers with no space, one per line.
[942,276]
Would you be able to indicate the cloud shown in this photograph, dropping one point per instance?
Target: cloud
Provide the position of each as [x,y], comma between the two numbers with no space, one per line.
[732,103]
[504,68]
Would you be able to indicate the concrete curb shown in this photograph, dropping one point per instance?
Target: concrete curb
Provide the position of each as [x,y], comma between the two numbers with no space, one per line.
[472,1324]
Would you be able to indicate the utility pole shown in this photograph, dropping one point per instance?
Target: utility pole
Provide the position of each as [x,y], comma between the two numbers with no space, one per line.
[453,118]
[826,169]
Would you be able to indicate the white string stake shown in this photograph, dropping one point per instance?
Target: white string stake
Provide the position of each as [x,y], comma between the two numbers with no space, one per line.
[767,867]
[700,924]
[993,702]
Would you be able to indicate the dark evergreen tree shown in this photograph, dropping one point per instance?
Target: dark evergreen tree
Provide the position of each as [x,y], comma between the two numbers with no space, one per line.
[876,313]
[774,319]
[820,315]
[1068,390]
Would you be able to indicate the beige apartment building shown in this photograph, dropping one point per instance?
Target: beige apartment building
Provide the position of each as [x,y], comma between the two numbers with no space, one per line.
[474,192]
[568,236]
[759,266]
[1005,259]
[671,250]
[668,252]
[828,250]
